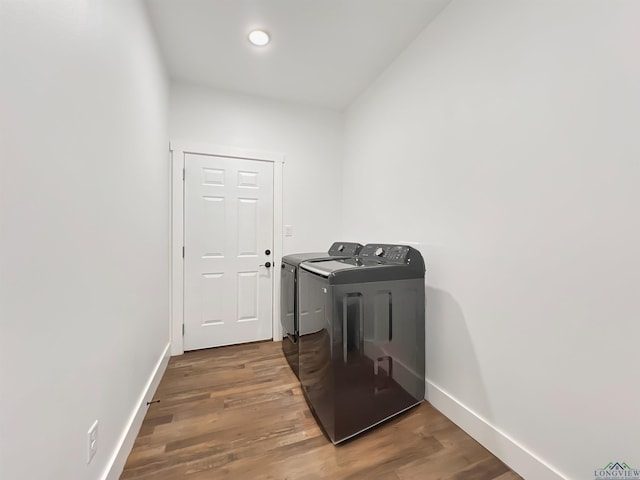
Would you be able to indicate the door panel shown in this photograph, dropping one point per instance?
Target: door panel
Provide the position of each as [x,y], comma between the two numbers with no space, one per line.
[211,286]
[247,296]
[247,227]
[213,210]
[228,226]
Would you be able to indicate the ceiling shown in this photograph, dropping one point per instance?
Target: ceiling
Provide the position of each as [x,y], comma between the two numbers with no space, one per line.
[322,52]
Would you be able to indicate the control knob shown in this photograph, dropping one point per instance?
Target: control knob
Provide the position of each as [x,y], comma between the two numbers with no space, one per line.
[379,252]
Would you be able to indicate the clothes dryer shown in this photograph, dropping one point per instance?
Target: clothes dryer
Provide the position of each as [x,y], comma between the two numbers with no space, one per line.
[289,298]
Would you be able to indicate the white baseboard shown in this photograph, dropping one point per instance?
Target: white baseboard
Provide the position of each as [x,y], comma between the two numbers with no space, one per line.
[518,458]
[116,464]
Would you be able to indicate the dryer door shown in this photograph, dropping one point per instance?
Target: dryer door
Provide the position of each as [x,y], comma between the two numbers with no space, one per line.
[289,314]
[288,301]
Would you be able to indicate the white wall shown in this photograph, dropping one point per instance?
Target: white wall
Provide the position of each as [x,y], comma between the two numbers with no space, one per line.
[84,222]
[309,137]
[505,140]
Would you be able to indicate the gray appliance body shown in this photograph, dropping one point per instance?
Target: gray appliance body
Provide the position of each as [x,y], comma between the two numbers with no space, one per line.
[289,297]
[362,347]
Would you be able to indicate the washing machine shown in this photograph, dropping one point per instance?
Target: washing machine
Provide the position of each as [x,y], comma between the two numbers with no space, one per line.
[362,345]
[289,298]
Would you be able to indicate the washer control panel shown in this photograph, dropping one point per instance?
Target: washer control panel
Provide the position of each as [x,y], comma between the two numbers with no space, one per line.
[385,253]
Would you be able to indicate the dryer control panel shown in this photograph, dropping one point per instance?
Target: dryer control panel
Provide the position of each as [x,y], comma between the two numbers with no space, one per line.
[344,249]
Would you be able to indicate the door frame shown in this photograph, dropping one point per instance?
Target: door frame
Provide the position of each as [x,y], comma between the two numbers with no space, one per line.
[178,151]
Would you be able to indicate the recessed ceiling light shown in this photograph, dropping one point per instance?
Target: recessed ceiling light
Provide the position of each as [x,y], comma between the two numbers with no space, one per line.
[259,38]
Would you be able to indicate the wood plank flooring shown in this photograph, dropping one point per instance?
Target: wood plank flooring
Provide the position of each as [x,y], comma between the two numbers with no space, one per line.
[238,413]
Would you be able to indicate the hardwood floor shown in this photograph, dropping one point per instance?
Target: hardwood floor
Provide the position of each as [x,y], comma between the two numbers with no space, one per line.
[238,413]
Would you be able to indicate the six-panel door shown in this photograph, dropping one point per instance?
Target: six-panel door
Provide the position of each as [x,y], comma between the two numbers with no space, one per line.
[228,228]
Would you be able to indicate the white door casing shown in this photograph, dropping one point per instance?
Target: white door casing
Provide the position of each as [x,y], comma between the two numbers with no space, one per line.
[226,210]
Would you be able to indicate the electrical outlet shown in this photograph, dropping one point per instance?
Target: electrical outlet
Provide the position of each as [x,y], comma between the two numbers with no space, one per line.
[92,438]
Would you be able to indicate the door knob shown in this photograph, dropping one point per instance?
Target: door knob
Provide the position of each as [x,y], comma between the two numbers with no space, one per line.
[267,252]
[268,265]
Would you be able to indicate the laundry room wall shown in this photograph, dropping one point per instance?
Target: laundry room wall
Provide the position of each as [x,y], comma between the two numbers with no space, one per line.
[84,216]
[505,141]
[309,137]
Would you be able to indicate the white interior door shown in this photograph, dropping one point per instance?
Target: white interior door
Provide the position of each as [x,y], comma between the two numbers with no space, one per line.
[228,230]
